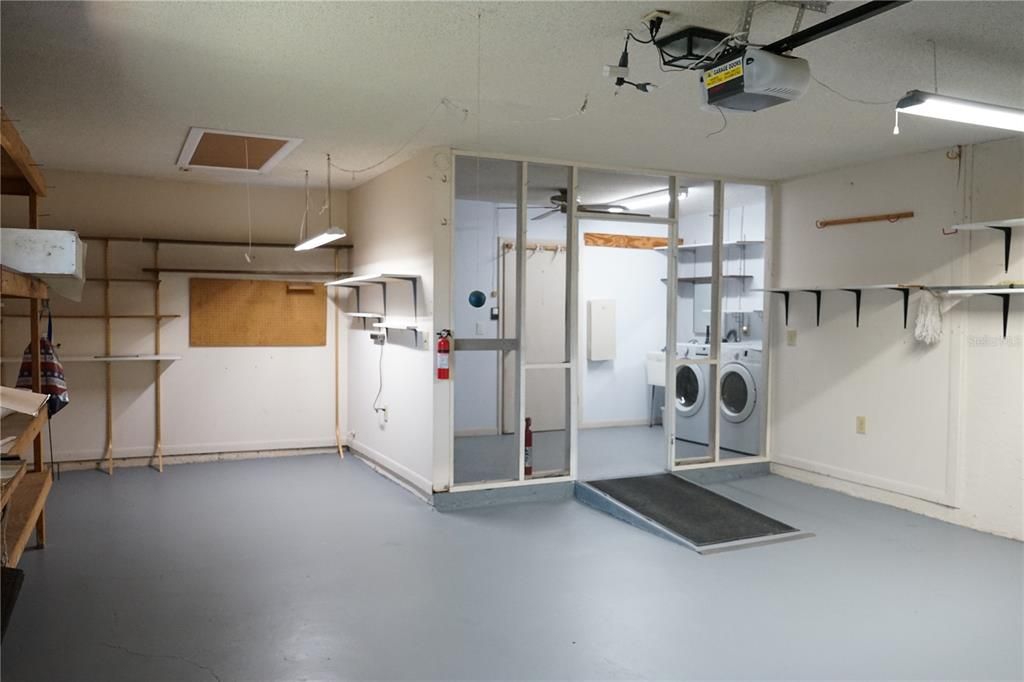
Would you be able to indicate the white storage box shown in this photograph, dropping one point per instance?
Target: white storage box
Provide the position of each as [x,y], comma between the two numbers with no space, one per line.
[55,256]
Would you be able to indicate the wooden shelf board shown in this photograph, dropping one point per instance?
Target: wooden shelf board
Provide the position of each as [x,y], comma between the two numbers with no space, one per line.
[24,427]
[8,486]
[14,284]
[27,503]
[103,317]
[208,242]
[110,358]
[20,171]
[293,274]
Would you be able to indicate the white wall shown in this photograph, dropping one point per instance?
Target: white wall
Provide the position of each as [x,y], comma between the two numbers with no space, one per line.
[944,427]
[214,399]
[615,392]
[394,219]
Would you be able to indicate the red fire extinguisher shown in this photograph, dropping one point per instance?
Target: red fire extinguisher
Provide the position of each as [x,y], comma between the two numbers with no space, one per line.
[444,348]
[528,455]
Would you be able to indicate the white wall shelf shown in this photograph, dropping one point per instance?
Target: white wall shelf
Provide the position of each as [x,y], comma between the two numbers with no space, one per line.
[696,247]
[1004,226]
[1002,291]
[707,278]
[382,280]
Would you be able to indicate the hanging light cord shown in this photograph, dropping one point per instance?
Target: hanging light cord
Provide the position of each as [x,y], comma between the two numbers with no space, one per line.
[330,217]
[248,199]
[305,214]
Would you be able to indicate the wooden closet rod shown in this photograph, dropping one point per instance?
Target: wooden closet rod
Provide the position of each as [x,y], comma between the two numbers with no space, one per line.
[891,217]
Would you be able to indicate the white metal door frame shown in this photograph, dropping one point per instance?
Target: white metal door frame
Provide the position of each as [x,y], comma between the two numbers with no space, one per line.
[572,327]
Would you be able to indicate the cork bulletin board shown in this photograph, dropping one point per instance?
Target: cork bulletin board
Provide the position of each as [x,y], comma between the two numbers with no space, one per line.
[247,312]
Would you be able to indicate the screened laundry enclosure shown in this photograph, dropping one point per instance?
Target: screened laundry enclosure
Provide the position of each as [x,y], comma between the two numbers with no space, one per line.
[604,322]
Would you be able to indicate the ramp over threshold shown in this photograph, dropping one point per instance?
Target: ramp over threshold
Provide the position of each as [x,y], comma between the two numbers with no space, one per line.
[684,512]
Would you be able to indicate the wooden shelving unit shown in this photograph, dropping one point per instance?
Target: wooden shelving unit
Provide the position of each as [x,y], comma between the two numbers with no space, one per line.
[24,496]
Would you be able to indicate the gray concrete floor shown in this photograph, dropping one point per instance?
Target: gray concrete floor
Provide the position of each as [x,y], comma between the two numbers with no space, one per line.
[314,568]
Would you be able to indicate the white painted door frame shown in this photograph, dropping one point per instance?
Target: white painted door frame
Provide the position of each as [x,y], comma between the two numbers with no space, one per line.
[572,326]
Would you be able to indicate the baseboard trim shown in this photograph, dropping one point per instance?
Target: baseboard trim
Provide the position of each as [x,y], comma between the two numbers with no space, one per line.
[389,468]
[867,480]
[471,433]
[613,423]
[193,458]
[143,451]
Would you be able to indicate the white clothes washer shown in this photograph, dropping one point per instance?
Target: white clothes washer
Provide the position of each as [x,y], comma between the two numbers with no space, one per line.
[691,395]
[741,397]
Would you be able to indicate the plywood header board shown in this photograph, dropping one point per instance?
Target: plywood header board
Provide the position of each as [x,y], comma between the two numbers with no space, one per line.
[246,312]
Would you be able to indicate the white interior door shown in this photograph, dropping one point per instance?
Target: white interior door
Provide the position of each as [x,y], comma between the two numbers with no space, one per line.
[543,335]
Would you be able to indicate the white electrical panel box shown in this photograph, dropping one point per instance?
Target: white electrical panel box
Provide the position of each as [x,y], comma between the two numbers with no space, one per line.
[601,330]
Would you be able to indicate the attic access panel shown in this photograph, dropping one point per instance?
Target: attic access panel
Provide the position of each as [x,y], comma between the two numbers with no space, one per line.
[225,150]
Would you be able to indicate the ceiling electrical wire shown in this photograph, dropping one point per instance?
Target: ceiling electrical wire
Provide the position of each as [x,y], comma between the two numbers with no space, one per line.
[444,102]
[853,99]
[725,124]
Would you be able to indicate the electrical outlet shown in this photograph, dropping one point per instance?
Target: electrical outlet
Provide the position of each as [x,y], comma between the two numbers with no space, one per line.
[378,338]
[790,337]
[384,412]
[862,425]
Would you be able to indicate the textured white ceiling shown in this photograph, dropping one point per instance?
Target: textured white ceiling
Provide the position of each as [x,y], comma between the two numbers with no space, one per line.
[114,87]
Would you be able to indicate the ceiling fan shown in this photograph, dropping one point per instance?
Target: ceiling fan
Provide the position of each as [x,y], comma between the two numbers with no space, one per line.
[560,200]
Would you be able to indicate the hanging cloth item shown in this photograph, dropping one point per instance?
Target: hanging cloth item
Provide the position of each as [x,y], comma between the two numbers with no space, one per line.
[932,306]
[51,371]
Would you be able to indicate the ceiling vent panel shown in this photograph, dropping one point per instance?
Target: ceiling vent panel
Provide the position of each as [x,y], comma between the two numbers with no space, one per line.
[223,150]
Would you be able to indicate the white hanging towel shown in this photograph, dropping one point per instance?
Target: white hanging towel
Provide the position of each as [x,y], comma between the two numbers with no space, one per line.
[928,326]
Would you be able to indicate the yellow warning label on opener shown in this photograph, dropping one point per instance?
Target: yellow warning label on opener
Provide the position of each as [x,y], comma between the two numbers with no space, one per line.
[724,73]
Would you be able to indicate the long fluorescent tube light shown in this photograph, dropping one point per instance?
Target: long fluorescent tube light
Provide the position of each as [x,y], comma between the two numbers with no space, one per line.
[920,103]
[325,237]
[332,232]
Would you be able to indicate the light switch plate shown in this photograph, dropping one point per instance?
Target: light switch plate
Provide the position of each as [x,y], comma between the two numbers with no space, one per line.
[790,337]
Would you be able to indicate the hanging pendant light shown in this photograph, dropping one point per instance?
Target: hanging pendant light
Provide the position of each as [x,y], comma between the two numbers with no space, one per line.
[332,232]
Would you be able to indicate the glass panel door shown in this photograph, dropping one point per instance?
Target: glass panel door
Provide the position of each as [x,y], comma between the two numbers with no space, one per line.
[484,320]
[742,390]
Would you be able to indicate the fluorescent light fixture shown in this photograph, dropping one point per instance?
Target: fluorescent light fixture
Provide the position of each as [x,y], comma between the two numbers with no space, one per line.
[332,232]
[651,199]
[325,237]
[920,103]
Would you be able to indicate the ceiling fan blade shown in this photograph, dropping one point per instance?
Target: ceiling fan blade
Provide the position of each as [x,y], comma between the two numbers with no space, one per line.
[545,214]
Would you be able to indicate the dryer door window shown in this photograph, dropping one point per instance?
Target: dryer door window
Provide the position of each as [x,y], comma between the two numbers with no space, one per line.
[689,390]
[739,394]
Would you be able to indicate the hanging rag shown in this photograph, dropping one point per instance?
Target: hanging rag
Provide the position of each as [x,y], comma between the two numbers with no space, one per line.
[51,371]
[928,326]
